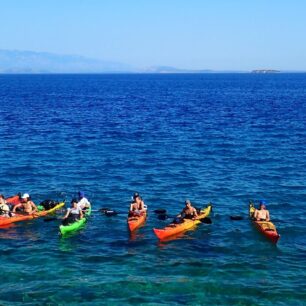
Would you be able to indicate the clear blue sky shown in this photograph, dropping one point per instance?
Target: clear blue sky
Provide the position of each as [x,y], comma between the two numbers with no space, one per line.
[196,34]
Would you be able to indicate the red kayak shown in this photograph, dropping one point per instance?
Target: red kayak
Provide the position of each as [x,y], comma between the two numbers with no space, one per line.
[267,228]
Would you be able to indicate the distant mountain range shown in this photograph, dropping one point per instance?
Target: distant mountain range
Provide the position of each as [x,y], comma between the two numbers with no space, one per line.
[44,62]
[16,61]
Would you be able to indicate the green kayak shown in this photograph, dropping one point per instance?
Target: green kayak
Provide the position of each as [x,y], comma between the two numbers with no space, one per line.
[64,229]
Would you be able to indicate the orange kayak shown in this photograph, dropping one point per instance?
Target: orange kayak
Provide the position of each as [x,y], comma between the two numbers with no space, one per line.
[135,222]
[267,228]
[20,217]
[174,229]
[14,200]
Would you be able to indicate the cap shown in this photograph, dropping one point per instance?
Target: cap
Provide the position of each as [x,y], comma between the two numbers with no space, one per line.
[81,194]
[262,202]
[187,202]
[25,196]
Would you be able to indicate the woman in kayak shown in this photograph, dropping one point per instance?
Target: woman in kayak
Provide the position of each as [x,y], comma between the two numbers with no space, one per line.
[4,208]
[262,214]
[73,214]
[83,202]
[27,206]
[137,207]
[189,212]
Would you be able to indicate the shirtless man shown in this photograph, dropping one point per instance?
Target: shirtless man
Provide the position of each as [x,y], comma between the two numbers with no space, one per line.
[27,205]
[137,206]
[262,214]
[189,212]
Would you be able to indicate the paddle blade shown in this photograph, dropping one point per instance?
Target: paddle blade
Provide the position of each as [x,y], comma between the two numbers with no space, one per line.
[110,213]
[50,219]
[103,210]
[235,218]
[162,217]
[160,211]
[206,220]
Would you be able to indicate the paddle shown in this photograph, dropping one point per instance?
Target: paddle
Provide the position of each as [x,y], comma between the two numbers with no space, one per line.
[205,220]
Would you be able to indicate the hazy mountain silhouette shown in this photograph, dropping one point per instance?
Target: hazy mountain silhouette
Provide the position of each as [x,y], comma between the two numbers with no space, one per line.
[44,62]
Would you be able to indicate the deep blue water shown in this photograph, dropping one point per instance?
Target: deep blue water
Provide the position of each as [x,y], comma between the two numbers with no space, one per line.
[224,138]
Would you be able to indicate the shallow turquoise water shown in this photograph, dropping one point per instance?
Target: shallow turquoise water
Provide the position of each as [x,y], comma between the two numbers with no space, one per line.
[219,138]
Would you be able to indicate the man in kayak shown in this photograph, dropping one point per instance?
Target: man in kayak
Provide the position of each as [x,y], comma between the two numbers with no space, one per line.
[27,206]
[83,202]
[137,207]
[262,214]
[4,208]
[189,212]
[73,214]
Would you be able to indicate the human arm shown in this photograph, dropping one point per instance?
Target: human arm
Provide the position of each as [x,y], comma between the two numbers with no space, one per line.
[16,206]
[67,213]
[267,216]
[81,214]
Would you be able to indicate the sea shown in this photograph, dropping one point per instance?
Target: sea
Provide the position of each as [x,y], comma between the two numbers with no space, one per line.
[220,138]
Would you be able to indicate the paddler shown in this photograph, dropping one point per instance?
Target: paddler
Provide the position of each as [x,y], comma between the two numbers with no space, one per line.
[73,214]
[262,214]
[137,207]
[83,202]
[4,208]
[27,206]
[188,212]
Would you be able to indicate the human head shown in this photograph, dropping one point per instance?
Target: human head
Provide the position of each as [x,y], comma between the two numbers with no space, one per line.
[74,202]
[2,199]
[262,204]
[81,194]
[135,196]
[1,196]
[187,203]
[25,197]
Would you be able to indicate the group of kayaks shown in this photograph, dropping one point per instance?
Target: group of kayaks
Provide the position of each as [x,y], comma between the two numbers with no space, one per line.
[42,212]
[17,217]
[267,228]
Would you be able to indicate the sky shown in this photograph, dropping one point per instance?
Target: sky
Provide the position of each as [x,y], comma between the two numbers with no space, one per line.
[190,34]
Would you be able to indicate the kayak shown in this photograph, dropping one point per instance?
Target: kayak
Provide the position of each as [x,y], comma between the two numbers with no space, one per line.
[14,200]
[21,217]
[65,229]
[265,227]
[135,222]
[173,228]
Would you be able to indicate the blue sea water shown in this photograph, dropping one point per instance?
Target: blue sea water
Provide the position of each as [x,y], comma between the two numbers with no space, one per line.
[224,138]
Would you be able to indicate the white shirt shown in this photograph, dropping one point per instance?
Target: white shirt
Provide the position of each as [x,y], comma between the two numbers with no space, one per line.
[83,203]
[74,211]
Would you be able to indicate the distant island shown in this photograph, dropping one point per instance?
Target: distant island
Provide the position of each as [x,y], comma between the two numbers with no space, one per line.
[265,71]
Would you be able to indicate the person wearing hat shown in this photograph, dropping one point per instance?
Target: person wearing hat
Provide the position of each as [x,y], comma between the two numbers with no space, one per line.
[137,206]
[4,208]
[188,212]
[27,206]
[262,214]
[83,202]
[73,213]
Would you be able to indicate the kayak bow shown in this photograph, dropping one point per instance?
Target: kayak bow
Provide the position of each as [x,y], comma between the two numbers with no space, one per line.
[135,222]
